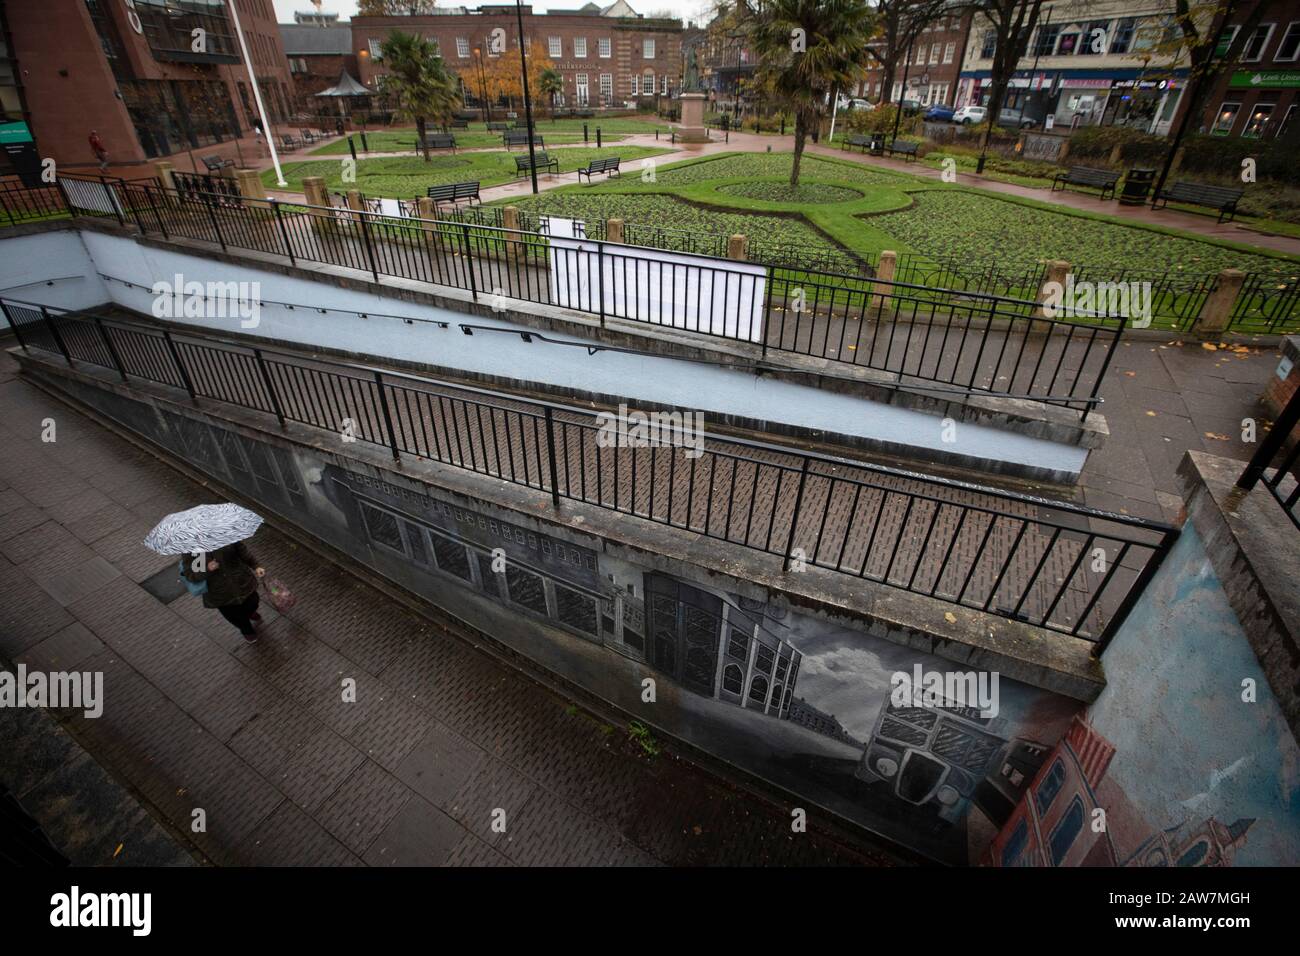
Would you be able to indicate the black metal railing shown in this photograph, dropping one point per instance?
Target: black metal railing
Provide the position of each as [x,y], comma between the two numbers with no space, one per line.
[1054,564]
[954,340]
[1276,463]
[20,203]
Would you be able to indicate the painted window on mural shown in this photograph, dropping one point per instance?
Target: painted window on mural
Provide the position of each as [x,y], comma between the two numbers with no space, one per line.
[415,543]
[1066,831]
[575,609]
[1016,843]
[1053,780]
[450,555]
[382,527]
[526,588]
[733,679]
[758,689]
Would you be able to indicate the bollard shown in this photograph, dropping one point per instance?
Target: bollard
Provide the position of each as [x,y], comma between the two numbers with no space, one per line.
[614,230]
[352,147]
[598,146]
[1216,312]
[313,188]
[1056,272]
[885,272]
[584,134]
[510,222]
[737,247]
[365,147]
[250,186]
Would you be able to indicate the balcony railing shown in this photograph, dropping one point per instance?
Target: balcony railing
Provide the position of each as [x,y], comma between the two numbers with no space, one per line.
[1054,564]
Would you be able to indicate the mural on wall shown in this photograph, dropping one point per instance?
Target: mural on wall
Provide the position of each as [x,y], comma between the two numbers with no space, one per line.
[796,699]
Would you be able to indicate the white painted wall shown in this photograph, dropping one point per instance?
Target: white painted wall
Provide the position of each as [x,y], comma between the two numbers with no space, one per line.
[647,381]
[27,263]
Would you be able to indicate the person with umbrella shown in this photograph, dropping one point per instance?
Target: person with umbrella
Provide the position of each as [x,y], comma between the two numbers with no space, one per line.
[216,563]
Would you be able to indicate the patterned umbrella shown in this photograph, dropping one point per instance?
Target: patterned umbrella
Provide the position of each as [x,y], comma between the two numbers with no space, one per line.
[205,528]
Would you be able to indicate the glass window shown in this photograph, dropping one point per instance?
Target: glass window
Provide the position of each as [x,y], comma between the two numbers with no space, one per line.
[575,609]
[1053,780]
[376,49]
[1093,40]
[1016,843]
[1066,831]
[603,47]
[765,658]
[1226,119]
[949,51]
[1259,118]
[1253,51]
[554,47]
[648,49]
[606,85]
[450,555]
[936,50]
[1289,47]
[1066,45]
[989,45]
[382,527]
[462,47]
[738,645]
[579,47]
[636,85]
[920,55]
[1123,37]
[1225,41]
[648,87]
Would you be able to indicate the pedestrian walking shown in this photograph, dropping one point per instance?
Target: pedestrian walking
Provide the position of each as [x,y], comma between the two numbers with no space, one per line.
[100,150]
[231,575]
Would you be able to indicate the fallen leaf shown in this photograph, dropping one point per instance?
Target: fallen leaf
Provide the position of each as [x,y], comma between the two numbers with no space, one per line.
[1152,414]
[1131,374]
[1216,437]
[1209,346]
[950,617]
[117,851]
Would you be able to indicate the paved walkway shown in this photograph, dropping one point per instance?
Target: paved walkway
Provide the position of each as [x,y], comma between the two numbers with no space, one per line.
[257,736]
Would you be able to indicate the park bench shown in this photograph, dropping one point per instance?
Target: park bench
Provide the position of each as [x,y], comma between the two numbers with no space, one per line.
[608,166]
[1102,179]
[519,137]
[436,141]
[902,146]
[1222,198]
[308,136]
[458,124]
[289,144]
[856,140]
[216,164]
[583,114]
[454,193]
[497,127]
[544,162]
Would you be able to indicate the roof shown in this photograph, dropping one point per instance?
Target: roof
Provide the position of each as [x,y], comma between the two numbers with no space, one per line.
[312,40]
[346,86]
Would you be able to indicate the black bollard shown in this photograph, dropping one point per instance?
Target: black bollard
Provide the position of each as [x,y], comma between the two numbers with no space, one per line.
[365,148]
[598,137]
[352,147]
[584,134]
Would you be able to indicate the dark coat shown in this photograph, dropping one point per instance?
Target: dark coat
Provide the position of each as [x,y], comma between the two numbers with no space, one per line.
[232,582]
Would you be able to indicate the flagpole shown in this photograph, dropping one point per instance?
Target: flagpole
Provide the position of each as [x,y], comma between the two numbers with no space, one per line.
[257,97]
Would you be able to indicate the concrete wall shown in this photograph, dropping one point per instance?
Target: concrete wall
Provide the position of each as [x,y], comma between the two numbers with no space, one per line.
[651,381]
[27,263]
[819,723]
[1186,754]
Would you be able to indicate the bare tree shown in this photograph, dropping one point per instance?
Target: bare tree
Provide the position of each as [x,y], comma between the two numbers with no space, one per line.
[901,22]
[1012,23]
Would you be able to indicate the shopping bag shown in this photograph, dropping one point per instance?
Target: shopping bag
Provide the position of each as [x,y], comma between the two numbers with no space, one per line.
[281,597]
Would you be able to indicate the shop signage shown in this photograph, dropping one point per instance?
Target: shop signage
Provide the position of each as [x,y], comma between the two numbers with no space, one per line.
[1265,79]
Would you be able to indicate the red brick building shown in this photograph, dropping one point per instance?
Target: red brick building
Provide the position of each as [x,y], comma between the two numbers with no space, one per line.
[1258,97]
[608,56]
[932,68]
[319,51]
[135,71]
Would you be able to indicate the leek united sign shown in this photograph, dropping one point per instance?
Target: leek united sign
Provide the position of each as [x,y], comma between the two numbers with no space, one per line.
[696,293]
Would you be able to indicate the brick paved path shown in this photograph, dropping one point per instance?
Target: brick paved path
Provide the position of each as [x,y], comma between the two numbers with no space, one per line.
[258,737]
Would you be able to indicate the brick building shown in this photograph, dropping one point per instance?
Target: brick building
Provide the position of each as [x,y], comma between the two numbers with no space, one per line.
[608,56]
[319,51]
[134,71]
[932,69]
[1258,97]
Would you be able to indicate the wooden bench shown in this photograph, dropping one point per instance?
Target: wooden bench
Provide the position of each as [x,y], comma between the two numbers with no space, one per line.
[856,140]
[1102,179]
[1222,198]
[519,137]
[544,162]
[608,166]
[495,127]
[436,141]
[216,164]
[289,144]
[902,146]
[456,124]
[454,193]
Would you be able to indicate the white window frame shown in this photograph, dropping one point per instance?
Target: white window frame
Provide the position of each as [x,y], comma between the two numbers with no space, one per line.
[579,48]
[648,48]
[663,84]
[1250,118]
[920,56]
[554,46]
[376,47]
[949,51]
[581,90]
[1214,127]
[936,50]
[604,48]
[1262,47]
[636,84]
[607,85]
[1293,25]
[648,86]
[462,47]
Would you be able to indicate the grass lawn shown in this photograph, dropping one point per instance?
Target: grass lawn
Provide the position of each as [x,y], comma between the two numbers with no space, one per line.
[555,133]
[403,177]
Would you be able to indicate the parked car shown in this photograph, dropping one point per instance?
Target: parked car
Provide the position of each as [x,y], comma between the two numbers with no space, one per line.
[939,113]
[1015,119]
[860,104]
[911,107]
[970,115]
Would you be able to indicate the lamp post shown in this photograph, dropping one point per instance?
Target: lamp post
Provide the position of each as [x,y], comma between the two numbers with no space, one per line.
[528,103]
[482,83]
[902,89]
[257,97]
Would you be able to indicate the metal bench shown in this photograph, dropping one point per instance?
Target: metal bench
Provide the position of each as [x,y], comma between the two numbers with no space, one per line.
[608,166]
[436,141]
[856,140]
[458,124]
[908,149]
[454,193]
[519,137]
[495,127]
[289,144]
[544,162]
[1102,179]
[216,164]
[584,114]
[1222,198]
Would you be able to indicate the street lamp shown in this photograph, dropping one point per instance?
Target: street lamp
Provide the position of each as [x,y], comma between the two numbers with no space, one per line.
[528,104]
[482,83]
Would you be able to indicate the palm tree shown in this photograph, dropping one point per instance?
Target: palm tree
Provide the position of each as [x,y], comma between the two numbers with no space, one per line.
[417,83]
[550,84]
[806,49]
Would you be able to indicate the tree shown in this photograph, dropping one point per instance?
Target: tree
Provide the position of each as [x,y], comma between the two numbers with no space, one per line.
[550,83]
[900,23]
[1012,23]
[394,8]
[417,83]
[806,50]
[501,73]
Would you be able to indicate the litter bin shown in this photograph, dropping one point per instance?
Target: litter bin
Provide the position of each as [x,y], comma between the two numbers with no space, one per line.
[1137,186]
[877,146]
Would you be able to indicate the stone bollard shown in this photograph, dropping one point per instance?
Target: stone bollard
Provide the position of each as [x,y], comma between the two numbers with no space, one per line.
[737,248]
[614,230]
[1217,309]
[317,195]
[513,243]
[163,170]
[354,201]
[250,187]
[428,210]
[885,272]
[1116,154]
[1057,270]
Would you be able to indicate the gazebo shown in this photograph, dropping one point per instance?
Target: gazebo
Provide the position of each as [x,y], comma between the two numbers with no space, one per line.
[348,89]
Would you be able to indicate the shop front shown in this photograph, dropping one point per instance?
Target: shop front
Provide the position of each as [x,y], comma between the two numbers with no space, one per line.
[1256,104]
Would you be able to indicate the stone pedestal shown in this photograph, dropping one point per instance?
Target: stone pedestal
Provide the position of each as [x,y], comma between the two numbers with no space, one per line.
[692,129]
